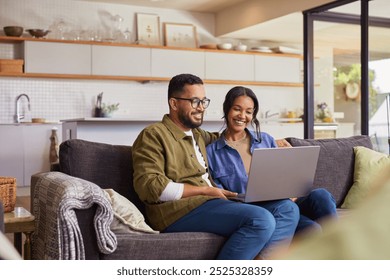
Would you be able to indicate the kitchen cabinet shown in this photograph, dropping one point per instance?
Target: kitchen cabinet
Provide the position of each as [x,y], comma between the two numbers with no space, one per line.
[57,58]
[168,63]
[229,66]
[49,58]
[277,69]
[121,61]
[25,150]
[11,153]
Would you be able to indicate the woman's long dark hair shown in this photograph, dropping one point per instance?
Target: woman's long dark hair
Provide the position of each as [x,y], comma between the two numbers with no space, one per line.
[228,104]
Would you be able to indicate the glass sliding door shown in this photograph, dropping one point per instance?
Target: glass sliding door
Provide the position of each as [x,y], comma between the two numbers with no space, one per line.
[337,106]
[379,69]
[347,66]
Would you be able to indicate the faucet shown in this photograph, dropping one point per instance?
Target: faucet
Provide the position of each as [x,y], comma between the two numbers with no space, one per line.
[18,115]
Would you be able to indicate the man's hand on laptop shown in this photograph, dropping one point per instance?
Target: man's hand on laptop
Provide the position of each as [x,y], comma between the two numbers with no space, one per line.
[221,193]
[190,190]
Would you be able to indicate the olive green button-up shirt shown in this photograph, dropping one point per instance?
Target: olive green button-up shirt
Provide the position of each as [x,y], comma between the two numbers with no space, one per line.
[162,153]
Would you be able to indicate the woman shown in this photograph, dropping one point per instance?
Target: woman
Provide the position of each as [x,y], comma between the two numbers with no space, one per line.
[235,146]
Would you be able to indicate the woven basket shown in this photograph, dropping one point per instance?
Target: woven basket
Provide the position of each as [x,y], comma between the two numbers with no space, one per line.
[8,193]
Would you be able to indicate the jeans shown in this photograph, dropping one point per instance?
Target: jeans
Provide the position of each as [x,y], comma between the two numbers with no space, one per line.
[315,206]
[286,214]
[248,228]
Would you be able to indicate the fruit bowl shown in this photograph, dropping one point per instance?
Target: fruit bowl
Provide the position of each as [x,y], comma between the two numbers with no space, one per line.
[14,31]
[38,33]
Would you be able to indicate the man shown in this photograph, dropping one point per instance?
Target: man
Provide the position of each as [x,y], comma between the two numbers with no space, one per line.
[171,178]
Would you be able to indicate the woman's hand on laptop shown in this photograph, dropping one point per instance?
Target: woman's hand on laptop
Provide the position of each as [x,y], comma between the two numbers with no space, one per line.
[282,143]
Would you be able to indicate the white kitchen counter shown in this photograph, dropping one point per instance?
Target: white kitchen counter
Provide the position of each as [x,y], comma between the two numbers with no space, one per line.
[118,131]
[121,131]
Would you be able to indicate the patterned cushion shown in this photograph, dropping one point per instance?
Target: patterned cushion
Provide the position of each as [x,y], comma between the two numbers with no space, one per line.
[335,167]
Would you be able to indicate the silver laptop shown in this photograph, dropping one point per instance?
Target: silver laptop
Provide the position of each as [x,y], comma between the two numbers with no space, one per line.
[281,173]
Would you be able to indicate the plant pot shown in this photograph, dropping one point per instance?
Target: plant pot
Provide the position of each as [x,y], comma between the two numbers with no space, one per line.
[98,113]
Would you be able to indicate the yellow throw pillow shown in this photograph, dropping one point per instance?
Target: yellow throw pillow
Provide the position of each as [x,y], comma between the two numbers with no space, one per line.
[368,164]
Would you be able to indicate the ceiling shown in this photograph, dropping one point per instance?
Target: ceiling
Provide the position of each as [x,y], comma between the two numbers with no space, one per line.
[203,6]
[273,28]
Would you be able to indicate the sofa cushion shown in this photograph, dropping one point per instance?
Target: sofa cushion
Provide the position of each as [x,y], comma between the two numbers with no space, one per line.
[368,165]
[127,217]
[108,166]
[167,246]
[335,167]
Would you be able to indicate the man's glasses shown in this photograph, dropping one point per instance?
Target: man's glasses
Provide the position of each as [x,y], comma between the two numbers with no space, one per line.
[195,102]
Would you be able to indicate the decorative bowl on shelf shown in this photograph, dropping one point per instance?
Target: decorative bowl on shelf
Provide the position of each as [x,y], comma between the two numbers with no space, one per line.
[14,31]
[241,48]
[225,46]
[38,33]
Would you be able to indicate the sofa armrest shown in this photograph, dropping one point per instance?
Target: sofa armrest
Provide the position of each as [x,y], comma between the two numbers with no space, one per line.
[44,190]
[85,219]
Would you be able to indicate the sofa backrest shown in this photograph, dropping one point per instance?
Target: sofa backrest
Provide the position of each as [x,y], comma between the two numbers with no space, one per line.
[335,167]
[108,166]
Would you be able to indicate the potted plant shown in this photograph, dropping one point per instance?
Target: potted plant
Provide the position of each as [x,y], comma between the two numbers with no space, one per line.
[323,114]
[109,109]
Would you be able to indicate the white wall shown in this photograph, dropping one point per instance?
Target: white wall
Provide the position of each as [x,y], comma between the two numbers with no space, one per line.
[56,99]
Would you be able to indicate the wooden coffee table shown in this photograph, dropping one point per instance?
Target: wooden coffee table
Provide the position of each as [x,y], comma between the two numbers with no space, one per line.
[17,222]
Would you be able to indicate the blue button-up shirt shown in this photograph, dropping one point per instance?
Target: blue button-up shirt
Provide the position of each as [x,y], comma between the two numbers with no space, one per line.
[225,163]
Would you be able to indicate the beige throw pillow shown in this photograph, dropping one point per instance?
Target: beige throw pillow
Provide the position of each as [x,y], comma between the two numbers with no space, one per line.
[368,164]
[127,217]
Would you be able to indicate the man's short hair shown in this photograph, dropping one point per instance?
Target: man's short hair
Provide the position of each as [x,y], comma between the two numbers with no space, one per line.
[177,83]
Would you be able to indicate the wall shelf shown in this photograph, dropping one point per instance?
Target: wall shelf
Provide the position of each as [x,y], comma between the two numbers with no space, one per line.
[157,55]
[143,79]
[13,40]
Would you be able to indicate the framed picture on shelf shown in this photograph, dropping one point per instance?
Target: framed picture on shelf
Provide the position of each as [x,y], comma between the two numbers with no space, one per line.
[148,29]
[180,35]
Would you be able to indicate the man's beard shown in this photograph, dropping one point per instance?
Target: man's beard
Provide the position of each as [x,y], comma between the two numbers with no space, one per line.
[187,122]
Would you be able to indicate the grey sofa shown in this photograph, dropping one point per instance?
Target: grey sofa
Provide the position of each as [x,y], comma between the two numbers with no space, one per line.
[110,166]
[335,167]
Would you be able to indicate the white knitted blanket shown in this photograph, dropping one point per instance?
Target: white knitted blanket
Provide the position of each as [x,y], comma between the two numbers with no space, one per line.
[57,234]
